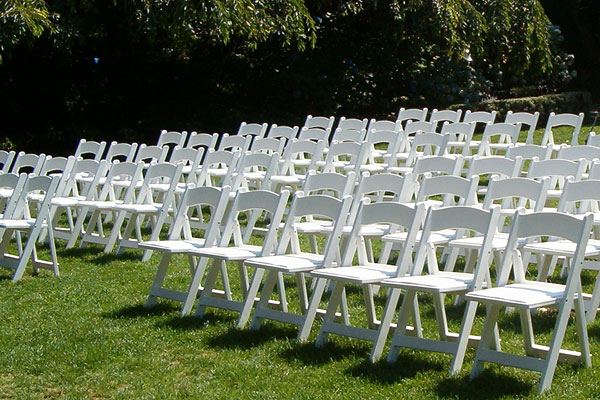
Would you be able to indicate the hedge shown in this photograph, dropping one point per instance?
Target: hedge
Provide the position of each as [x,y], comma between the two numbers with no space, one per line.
[568,102]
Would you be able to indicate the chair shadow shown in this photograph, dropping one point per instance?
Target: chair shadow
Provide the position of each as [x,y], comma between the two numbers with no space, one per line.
[543,321]
[245,339]
[309,354]
[105,258]
[480,388]
[382,372]
[78,251]
[191,322]
[139,310]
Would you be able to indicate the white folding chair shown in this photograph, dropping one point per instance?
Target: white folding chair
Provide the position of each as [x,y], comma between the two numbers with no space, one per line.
[282,132]
[352,123]
[232,247]
[204,141]
[486,167]
[524,118]
[152,203]
[90,149]
[24,219]
[299,157]
[412,114]
[234,143]
[526,296]
[255,171]
[28,163]
[383,145]
[325,123]
[349,135]
[181,241]
[384,125]
[438,284]
[110,195]
[151,154]
[6,160]
[11,185]
[343,155]
[253,129]
[479,117]
[563,120]
[498,136]
[593,139]
[461,136]
[121,152]
[423,144]
[529,152]
[296,263]
[366,274]
[268,145]
[171,138]
[218,168]
[444,116]
[191,159]
[557,170]
[315,134]
[580,152]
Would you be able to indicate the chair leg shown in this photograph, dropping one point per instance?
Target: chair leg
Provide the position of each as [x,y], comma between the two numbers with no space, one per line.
[487,338]
[159,278]
[209,284]
[463,338]
[265,295]
[405,311]
[194,286]
[334,302]
[385,324]
[311,311]
[248,301]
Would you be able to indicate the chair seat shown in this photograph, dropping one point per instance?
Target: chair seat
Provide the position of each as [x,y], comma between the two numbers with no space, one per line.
[255,175]
[288,179]
[399,170]
[229,253]
[220,172]
[66,201]
[530,294]
[436,238]
[5,193]
[160,187]
[499,242]
[563,248]
[22,224]
[443,282]
[360,274]
[372,168]
[138,208]
[553,194]
[316,226]
[290,263]
[302,163]
[99,204]
[173,246]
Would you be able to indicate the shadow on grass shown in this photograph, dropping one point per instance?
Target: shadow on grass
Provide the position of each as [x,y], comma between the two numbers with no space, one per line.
[191,322]
[382,372]
[139,310]
[489,385]
[543,321]
[106,258]
[245,339]
[78,252]
[308,354]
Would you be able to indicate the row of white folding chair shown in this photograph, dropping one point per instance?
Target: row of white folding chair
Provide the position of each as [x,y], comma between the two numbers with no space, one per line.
[22,215]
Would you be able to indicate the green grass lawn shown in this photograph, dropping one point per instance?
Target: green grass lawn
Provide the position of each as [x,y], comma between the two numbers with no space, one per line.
[87,335]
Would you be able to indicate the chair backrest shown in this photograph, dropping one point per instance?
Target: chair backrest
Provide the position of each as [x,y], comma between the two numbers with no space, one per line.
[92,169]
[384,125]
[566,120]
[171,138]
[512,193]
[376,187]
[214,200]
[126,171]
[557,170]
[253,129]
[279,132]
[328,182]
[36,185]
[593,139]
[268,145]
[6,159]
[202,140]
[234,143]
[524,118]
[400,216]
[11,186]
[261,201]
[190,158]
[442,116]
[58,166]
[28,163]
[480,117]
[580,152]
[437,165]
[495,165]
[412,114]
[314,134]
[552,225]
[255,167]
[85,149]
[325,123]
[466,221]
[414,127]
[462,134]
[529,152]
[164,174]
[151,154]
[322,206]
[499,131]
[594,170]
[348,153]
[218,159]
[301,150]
[121,151]
[579,197]
[349,135]
[391,140]
[427,144]
[352,123]
[451,188]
